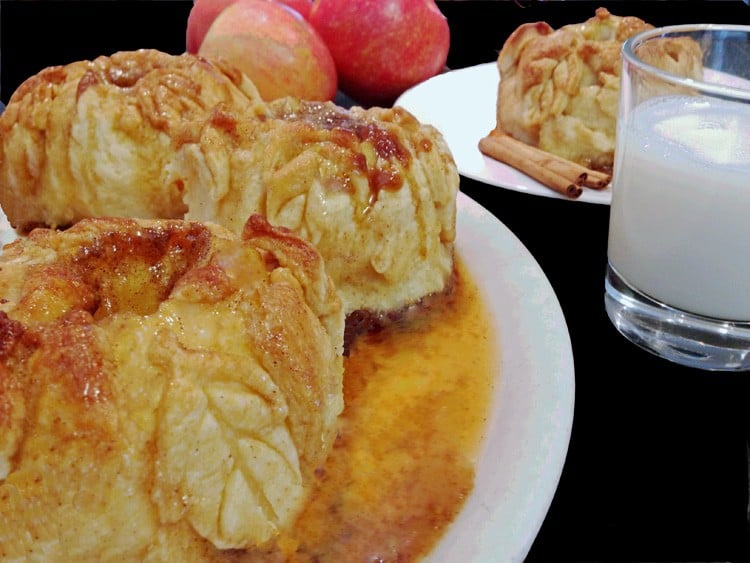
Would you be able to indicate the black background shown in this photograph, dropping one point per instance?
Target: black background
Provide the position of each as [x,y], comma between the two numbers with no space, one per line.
[657,463]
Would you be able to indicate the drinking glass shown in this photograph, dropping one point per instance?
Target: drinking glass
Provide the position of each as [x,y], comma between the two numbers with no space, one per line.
[678,270]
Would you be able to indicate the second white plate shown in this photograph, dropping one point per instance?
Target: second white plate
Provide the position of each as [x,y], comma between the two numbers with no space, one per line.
[461,105]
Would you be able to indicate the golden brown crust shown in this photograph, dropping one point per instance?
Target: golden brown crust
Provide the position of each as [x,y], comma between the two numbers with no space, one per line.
[167,389]
[174,137]
[559,89]
[95,138]
[374,190]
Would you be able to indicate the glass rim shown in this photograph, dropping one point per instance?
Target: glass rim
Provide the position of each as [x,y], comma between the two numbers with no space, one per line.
[711,88]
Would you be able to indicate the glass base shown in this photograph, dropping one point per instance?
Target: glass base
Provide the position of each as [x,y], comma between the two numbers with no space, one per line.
[678,336]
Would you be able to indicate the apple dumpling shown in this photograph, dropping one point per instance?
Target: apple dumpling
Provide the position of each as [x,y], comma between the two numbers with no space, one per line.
[150,135]
[374,190]
[559,88]
[167,388]
[94,138]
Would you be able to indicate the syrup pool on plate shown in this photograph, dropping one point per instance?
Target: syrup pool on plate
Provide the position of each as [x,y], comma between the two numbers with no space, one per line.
[681,226]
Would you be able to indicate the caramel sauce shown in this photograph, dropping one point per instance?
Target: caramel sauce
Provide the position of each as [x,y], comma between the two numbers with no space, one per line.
[326,116]
[87,80]
[417,398]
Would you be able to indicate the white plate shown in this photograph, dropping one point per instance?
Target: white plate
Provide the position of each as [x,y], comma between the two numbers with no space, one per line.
[528,432]
[461,105]
[532,413]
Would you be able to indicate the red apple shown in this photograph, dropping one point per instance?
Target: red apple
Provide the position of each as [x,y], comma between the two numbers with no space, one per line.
[201,16]
[275,47]
[204,12]
[382,47]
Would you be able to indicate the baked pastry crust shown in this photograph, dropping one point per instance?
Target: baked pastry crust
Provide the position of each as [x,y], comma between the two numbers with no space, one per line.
[559,89]
[374,190]
[95,138]
[167,388]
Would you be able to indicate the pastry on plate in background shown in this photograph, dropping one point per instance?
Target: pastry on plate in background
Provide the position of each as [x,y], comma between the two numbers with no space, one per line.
[559,89]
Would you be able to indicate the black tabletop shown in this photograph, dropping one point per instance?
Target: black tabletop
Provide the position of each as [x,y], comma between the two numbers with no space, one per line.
[657,465]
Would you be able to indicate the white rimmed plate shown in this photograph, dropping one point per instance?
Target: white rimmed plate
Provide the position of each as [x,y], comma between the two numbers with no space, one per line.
[529,428]
[528,431]
[461,105]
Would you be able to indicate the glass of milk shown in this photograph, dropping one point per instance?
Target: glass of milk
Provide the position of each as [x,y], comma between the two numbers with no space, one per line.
[678,271]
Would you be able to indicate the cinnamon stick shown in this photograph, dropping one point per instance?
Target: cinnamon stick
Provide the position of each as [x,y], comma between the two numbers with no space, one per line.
[597,180]
[555,172]
[500,150]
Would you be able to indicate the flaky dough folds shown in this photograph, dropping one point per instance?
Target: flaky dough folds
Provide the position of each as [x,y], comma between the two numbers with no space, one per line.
[167,388]
[150,135]
[559,89]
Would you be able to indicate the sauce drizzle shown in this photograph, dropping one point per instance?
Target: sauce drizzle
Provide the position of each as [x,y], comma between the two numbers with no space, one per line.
[417,399]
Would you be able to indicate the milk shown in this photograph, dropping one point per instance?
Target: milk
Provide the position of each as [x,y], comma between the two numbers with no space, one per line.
[680,216]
